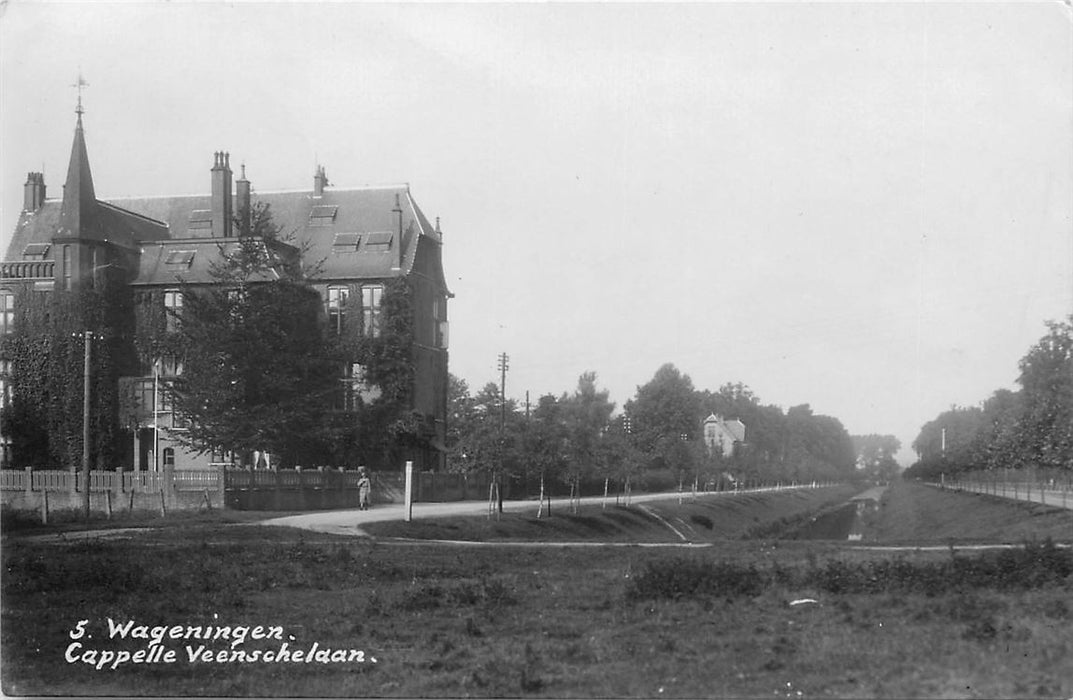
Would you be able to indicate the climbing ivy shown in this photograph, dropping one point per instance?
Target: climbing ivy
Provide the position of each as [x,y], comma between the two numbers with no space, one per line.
[44,420]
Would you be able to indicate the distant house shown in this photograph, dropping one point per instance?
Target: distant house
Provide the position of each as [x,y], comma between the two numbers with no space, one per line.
[359,240]
[723,435]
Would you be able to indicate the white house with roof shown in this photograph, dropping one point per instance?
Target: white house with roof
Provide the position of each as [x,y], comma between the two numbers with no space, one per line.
[723,435]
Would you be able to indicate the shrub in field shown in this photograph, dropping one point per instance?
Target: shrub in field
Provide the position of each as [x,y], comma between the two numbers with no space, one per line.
[1030,567]
[85,567]
[484,591]
[1033,566]
[676,578]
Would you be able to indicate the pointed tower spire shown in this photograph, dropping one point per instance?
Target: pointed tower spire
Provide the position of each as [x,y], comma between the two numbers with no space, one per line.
[79,198]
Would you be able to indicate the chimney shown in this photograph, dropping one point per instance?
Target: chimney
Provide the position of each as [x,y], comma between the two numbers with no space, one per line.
[398,241]
[242,202]
[221,195]
[320,181]
[33,193]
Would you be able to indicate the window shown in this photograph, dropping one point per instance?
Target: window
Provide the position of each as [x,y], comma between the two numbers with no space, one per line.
[7,312]
[322,215]
[370,310]
[169,456]
[36,250]
[171,366]
[173,309]
[379,241]
[200,219]
[337,296]
[5,386]
[67,267]
[144,397]
[163,395]
[346,242]
[439,324]
[355,386]
[435,322]
[91,278]
[180,258]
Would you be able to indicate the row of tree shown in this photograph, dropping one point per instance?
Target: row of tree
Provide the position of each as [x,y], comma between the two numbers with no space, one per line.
[576,437]
[1029,427]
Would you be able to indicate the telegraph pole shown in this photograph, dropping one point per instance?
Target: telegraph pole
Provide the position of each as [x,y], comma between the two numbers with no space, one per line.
[86,375]
[504,365]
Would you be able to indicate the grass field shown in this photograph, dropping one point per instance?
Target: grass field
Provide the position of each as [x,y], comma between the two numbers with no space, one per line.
[459,620]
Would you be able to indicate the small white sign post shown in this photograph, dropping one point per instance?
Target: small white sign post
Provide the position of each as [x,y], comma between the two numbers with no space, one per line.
[409,498]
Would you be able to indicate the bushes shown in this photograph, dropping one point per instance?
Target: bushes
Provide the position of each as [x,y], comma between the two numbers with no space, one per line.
[681,577]
[1031,567]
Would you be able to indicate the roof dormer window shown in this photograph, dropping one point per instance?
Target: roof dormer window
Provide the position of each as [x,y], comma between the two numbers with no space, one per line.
[346,242]
[183,258]
[36,250]
[322,215]
[378,241]
[200,219]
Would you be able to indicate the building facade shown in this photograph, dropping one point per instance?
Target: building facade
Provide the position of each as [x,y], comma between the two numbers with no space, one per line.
[721,436]
[355,242]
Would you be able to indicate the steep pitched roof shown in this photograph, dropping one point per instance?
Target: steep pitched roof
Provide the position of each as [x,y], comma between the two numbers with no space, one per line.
[192,260]
[78,215]
[345,234]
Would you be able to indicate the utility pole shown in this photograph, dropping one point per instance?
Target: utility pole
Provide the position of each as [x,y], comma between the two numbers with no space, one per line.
[87,336]
[504,365]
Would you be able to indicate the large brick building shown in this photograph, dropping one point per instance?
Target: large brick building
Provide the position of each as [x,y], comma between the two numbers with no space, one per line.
[360,239]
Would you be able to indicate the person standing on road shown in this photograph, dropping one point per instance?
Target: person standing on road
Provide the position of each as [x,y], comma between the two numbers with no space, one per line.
[364,487]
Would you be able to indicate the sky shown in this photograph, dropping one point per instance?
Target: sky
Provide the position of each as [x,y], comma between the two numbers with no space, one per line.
[863,207]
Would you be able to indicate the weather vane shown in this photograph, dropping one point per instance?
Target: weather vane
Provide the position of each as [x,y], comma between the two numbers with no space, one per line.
[79,85]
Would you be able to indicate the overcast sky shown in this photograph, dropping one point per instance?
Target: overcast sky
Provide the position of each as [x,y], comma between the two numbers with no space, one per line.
[863,207]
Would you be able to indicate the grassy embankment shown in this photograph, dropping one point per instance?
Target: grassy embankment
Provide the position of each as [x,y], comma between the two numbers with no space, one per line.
[708,517]
[449,621]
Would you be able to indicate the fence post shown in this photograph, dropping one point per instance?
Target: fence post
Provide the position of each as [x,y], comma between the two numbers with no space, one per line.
[74,480]
[221,484]
[29,479]
[44,507]
[168,491]
[408,497]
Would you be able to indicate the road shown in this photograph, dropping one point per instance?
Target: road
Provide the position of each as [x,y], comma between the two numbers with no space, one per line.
[1059,498]
[349,522]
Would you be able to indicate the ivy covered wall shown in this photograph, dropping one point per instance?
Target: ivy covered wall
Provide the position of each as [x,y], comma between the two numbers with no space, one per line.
[46,350]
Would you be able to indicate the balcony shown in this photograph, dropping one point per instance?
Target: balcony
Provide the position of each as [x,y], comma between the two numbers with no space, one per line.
[28,270]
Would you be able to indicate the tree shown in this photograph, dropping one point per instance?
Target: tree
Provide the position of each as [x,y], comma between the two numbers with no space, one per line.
[875,455]
[587,413]
[545,444]
[258,373]
[1047,383]
[664,409]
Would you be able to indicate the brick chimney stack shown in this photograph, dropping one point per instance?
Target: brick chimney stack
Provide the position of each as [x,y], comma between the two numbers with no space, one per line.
[221,195]
[320,181]
[33,193]
[242,202]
